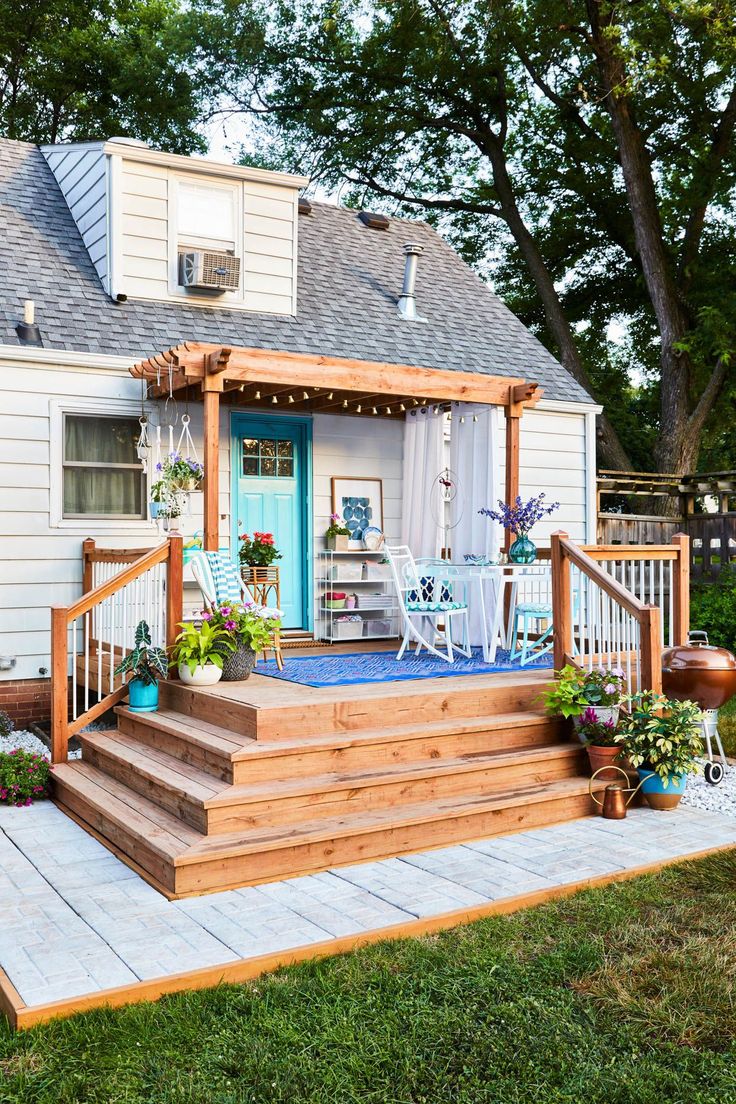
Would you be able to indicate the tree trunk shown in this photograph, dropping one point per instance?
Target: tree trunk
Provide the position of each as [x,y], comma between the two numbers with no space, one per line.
[611,453]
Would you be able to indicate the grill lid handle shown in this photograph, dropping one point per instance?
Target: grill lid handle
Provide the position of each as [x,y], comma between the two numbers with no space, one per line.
[695,636]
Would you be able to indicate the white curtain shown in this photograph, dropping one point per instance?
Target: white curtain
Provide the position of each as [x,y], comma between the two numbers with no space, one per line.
[475,461]
[422,520]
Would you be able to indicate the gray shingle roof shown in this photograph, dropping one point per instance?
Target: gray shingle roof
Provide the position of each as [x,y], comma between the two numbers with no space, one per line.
[348,283]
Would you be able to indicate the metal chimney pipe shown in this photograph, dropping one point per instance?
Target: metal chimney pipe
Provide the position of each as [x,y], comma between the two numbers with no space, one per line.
[407,299]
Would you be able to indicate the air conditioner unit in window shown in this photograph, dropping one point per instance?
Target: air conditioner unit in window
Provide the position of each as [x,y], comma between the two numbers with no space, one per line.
[209,271]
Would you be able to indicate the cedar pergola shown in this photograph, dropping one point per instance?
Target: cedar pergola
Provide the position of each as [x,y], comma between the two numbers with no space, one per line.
[265,378]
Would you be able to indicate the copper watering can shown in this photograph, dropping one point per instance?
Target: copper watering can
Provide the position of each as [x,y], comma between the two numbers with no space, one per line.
[614,803]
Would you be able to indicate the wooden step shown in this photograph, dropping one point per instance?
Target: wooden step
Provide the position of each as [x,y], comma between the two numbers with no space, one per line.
[203,744]
[267,709]
[221,862]
[452,737]
[295,800]
[176,786]
[138,828]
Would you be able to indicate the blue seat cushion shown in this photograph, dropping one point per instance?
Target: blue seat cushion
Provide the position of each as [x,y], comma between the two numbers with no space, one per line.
[434,607]
[538,610]
[427,585]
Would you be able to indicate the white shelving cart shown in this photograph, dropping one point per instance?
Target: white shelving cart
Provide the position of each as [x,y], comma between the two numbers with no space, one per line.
[364,575]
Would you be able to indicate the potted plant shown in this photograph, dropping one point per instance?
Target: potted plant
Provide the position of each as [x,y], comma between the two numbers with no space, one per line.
[600,741]
[147,665]
[181,473]
[252,628]
[337,534]
[199,652]
[575,690]
[258,551]
[158,498]
[662,739]
[520,517]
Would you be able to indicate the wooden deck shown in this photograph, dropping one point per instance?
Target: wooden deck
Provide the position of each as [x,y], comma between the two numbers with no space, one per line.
[248,782]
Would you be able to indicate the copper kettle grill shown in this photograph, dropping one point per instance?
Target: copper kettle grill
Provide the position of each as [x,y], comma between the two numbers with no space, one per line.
[699,672]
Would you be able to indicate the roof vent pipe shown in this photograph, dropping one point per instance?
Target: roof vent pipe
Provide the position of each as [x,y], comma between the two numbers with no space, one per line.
[407,299]
[27,330]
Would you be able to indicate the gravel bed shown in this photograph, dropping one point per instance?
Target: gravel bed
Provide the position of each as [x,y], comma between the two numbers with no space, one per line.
[27,741]
[712,799]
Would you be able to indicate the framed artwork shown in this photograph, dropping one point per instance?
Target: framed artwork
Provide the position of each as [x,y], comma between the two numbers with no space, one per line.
[359,503]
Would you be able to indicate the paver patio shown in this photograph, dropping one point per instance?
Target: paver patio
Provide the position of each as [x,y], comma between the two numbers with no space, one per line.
[76,921]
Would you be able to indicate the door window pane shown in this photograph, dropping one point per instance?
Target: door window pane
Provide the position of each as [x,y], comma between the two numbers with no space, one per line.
[268,457]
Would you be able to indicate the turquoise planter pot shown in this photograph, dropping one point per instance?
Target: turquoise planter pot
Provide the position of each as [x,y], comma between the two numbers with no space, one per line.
[523,551]
[142,698]
[657,794]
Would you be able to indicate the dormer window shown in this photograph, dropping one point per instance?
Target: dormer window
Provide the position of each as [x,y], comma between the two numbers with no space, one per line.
[208,231]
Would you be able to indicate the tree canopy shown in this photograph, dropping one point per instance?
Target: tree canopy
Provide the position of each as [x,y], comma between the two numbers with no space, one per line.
[75,70]
[579,152]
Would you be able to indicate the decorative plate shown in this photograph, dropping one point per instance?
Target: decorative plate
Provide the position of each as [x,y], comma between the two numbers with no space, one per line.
[372,538]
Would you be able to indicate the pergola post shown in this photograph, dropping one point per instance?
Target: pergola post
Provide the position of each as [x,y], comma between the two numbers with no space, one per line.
[211,390]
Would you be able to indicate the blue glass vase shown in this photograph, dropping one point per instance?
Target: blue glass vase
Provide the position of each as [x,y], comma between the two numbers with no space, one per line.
[523,551]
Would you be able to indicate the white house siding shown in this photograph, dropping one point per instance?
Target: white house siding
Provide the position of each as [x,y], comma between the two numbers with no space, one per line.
[553,459]
[81,172]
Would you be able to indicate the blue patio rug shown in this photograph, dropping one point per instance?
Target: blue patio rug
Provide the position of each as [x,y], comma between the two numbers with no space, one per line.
[355,668]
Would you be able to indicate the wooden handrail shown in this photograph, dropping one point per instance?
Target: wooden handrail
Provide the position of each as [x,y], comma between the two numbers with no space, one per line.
[606,582]
[648,617]
[93,597]
[170,552]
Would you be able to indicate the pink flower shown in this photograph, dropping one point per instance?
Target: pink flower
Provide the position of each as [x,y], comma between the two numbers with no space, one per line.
[207,616]
[231,626]
[610,688]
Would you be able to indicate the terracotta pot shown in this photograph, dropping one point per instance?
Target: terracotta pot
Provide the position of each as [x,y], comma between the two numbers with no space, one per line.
[603,757]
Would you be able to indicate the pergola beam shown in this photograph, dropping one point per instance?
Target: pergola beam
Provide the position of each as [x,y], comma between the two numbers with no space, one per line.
[328,382]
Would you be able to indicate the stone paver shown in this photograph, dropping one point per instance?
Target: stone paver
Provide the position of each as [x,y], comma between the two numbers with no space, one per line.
[74,919]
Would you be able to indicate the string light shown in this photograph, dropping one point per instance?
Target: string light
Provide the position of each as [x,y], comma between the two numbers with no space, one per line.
[274,400]
[242,387]
[475,417]
[388,409]
[402,408]
[344,404]
[258,394]
[330,394]
[358,408]
[374,410]
[306,395]
[462,420]
[291,398]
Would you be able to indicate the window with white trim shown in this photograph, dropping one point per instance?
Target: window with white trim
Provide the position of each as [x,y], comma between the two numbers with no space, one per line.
[102,474]
[206,215]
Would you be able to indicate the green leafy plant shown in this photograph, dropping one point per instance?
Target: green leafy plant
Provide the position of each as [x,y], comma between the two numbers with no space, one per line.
[661,734]
[253,625]
[574,690]
[6,723]
[24,777]
[195,646]
[146,663]
[713,609]
[336,528]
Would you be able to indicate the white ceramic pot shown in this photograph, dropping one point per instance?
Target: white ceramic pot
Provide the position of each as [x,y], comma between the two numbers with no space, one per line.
[355,546]
[200,676]
[603,713]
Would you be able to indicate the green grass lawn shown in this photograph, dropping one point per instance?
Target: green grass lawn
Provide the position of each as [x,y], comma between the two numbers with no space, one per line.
[623,995]
[727,727]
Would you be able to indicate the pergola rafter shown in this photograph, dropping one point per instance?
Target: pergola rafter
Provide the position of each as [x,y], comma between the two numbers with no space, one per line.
[313,382]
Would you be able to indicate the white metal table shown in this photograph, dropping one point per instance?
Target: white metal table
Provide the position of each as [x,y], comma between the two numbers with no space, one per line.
[500,576]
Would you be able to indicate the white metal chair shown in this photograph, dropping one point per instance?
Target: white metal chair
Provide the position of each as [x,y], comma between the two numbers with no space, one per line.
[432,606]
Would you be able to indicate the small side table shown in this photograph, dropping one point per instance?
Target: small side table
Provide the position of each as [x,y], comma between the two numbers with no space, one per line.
[261,582]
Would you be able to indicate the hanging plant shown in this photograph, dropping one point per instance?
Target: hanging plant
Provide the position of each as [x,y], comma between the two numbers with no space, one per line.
[180,473]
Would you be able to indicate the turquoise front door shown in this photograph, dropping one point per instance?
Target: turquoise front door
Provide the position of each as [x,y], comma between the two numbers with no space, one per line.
[270,457]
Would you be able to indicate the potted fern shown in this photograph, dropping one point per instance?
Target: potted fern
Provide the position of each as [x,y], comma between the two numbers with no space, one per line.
[147,665]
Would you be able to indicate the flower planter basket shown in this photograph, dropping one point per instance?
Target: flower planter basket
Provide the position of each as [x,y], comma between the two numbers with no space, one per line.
[238,665]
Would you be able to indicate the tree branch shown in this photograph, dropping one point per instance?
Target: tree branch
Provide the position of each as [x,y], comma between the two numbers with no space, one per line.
[369,181]
[710,393]
[706,186]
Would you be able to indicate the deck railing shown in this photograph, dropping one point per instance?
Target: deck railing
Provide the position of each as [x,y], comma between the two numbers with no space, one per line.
[88,638]
[619,605]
